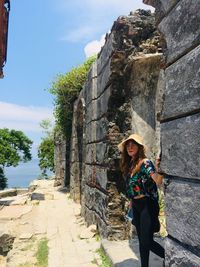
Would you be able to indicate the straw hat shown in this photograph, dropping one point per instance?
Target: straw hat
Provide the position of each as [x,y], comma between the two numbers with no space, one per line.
[138,139]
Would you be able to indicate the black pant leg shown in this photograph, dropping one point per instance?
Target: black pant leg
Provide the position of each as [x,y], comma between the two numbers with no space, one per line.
[157,249]
[143,226]
[144,218]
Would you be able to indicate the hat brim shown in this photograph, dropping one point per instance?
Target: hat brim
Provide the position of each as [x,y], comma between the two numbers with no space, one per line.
[138,139]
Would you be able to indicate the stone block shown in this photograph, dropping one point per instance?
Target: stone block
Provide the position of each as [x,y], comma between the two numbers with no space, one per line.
[101,129]
[92,73]
[103,78]
[101,177]
[181,147]
[102,103]
[182,93]
[106,52]
[89,215]
[74,140]
[90,156]
[90,132]
[96,201]
[143,83]
[90,86]
[74,172]
[89,172]
[177,256]
[91,111]
[162,7]
[168,4]
[96,175]
[183,210]
[101,153]
[181,28]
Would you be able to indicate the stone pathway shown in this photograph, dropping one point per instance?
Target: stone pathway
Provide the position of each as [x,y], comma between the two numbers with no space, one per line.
[59,220]
[52,214]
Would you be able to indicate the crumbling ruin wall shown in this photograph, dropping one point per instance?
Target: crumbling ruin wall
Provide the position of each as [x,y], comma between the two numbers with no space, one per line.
[59,159]
[179,21]
[118,98]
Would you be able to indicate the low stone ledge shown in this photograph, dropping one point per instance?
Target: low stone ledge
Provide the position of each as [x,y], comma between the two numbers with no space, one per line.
[8,193]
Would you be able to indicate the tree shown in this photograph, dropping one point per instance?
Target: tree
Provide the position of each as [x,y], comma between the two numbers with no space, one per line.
[14,147]
[46,148]
[3,180]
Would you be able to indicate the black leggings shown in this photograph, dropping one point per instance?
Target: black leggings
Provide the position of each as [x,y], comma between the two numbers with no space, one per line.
[145,215]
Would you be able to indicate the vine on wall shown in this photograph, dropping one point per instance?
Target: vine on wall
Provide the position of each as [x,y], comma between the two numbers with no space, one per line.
[66,88]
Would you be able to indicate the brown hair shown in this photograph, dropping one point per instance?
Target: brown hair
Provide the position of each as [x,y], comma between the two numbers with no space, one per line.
[126,159]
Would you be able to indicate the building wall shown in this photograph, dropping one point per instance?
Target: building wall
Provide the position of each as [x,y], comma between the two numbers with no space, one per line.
[178,22]
[119,97]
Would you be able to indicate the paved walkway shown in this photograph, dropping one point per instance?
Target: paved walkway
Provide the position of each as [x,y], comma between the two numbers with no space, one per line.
[57,217]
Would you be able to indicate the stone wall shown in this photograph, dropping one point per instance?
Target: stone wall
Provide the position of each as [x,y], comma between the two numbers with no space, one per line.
[119,97]
[178,22]
[59,159]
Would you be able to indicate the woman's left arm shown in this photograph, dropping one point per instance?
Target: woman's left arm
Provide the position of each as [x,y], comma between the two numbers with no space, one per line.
[158,178]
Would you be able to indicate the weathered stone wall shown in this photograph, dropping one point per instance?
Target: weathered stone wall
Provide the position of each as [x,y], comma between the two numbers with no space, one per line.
[178,21]
[118,97]
[59,159]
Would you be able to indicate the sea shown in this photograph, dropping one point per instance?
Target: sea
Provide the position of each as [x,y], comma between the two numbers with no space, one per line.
[23,174]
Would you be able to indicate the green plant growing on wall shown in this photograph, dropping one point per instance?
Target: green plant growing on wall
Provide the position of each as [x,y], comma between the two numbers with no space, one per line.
[66,89]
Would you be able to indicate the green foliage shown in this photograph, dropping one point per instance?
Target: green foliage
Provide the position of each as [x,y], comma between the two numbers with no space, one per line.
[42,253]
[3,180]
[14,147]
[66,89]
[47,126]
[46,154]
[46,148]
[104,258]
[161,200]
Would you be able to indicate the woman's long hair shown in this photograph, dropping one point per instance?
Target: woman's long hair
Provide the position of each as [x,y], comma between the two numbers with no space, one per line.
[126,161]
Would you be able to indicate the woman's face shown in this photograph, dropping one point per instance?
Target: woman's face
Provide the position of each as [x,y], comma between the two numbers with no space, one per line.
[132,148]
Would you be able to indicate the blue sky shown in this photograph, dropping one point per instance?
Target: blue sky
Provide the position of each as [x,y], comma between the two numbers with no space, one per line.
[48,37]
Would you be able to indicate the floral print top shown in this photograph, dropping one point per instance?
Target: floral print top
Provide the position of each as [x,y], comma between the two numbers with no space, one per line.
[141,182]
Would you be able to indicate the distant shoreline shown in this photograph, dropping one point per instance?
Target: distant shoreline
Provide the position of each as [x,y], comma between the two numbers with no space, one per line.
[22,175]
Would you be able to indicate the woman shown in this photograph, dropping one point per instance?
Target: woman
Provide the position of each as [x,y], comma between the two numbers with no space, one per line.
[142,181]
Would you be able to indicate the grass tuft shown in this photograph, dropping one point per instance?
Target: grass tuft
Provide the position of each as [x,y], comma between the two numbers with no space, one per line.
[104,258]
[42,253]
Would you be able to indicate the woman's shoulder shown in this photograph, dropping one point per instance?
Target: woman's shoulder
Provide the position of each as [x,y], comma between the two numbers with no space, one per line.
[145,161]
[148,164]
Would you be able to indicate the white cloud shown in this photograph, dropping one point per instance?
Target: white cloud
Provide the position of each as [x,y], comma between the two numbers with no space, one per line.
[96,17]
[94,47]
[79,34]
[24,118]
